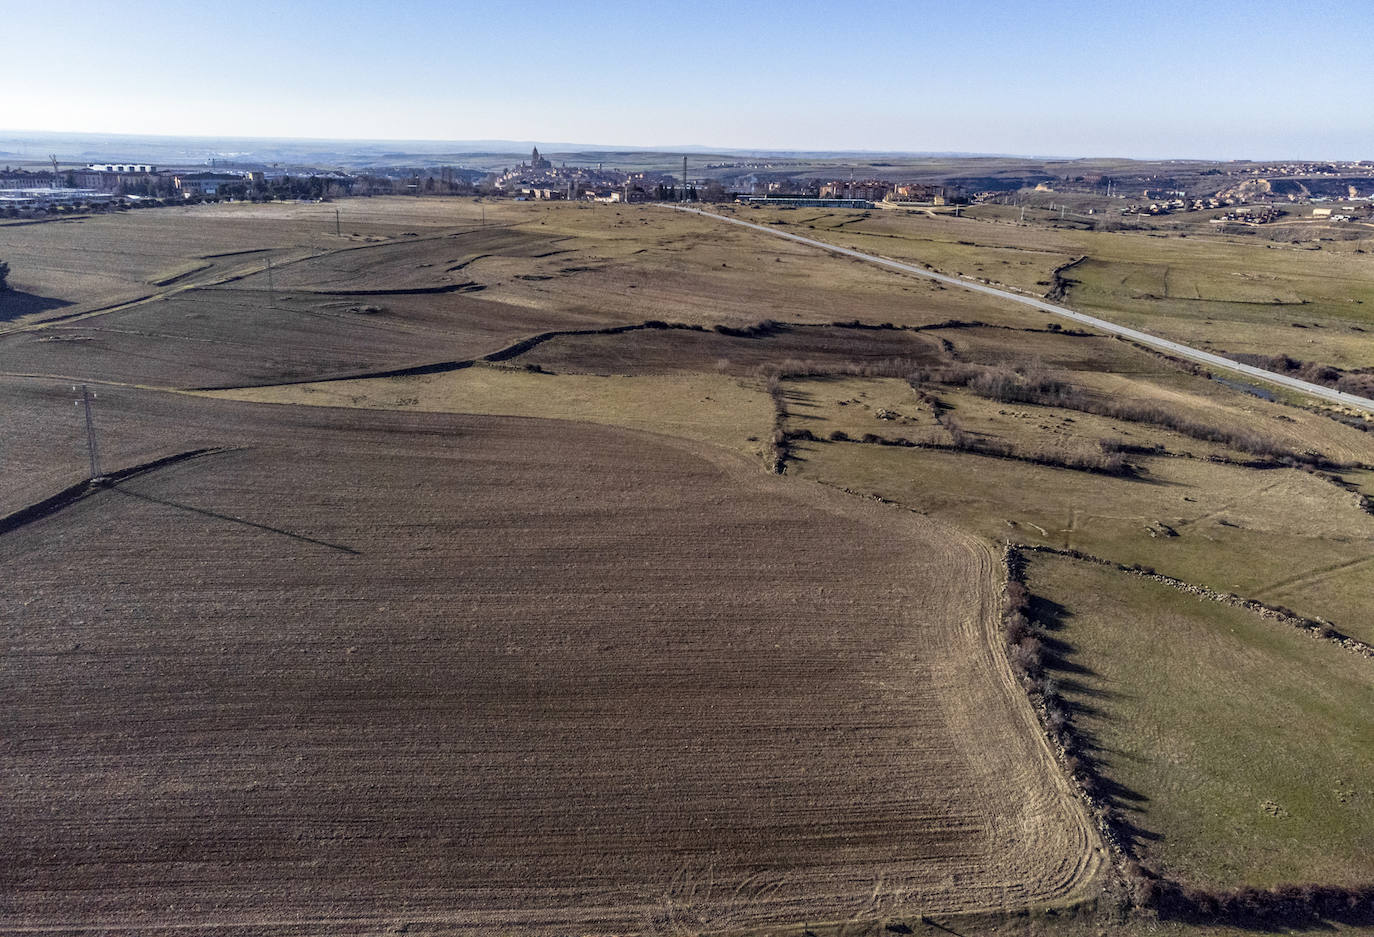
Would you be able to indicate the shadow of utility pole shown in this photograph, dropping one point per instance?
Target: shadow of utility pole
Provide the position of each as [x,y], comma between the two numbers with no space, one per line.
[233,520]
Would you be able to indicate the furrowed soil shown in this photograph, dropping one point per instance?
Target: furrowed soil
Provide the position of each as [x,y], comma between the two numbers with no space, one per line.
[369,670]
[657,351]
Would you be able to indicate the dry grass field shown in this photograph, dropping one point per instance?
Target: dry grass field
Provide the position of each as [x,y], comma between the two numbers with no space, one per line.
[531,639]
[1195,508]
[1227,293]
[1280,537]
[404,285]
[707,407]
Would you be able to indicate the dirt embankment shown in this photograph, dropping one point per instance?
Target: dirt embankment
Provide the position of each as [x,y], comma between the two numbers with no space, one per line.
[1060,283]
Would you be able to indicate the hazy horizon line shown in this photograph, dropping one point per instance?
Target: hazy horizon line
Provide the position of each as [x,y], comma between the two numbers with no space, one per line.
[502,146]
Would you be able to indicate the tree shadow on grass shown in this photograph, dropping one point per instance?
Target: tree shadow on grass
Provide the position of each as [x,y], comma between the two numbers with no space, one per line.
[1078,683]
[794,400]
[15,304]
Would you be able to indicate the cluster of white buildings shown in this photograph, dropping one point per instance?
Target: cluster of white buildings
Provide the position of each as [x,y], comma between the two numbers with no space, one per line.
[541,179]
[45,196]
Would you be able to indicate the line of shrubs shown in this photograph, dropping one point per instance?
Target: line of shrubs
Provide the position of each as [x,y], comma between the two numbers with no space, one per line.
[1363,500]
[758,330]
[800,369]
[1108,463]
[1257,907]
[1025,639]
[781,444]
[1032,386]
[1359,381]
[519,348]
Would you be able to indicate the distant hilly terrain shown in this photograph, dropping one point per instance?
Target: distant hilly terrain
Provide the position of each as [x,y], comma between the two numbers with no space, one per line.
[733,167]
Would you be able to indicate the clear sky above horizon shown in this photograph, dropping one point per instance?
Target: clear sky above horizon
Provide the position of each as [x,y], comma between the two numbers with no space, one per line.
[1206,79]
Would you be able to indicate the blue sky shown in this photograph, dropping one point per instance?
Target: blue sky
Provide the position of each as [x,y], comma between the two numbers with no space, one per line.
[1218,79]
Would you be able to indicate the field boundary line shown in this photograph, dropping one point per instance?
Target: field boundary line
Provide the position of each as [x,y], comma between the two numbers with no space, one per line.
[983,631]
[230,276]
[1316,627]
[518,347]
[504,353]
[1145,338]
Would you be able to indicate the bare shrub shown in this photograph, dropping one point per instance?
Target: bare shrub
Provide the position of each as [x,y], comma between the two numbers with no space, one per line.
[1025,657]
[1031,385]
[1359,381]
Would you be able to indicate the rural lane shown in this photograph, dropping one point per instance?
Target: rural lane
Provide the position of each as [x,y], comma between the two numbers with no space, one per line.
[1144,338]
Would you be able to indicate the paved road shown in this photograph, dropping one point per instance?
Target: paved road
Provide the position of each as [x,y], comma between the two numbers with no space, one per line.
[1216,362]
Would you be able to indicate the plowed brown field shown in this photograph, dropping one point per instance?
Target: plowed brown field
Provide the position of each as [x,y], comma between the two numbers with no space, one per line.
[474,674]
[355,671]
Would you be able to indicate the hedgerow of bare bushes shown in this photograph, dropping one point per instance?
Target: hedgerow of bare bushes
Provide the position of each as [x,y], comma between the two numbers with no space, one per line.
[1034,386]
[1359,381]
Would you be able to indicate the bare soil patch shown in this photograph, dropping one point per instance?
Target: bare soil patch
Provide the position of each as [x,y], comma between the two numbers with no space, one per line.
[657,351]
[476,674]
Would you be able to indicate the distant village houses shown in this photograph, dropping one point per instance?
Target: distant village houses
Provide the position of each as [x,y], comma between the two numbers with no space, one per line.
[114,177]
[540,179]
[871,190]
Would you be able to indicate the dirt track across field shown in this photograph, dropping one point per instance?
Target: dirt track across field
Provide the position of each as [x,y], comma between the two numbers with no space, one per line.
[371,669]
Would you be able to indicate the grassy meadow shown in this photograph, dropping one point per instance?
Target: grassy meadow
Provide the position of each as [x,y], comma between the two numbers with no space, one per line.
[1243,748]
[1312,300]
